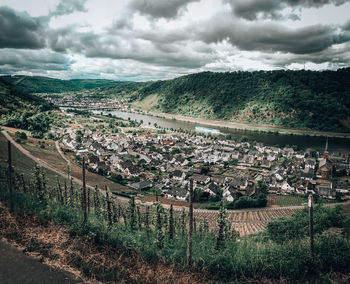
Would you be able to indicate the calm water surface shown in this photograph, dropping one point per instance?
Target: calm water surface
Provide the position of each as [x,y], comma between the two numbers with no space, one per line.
[315,142]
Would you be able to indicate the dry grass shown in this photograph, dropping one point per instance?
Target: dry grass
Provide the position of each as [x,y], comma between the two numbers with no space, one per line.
[147,103]
[84,258]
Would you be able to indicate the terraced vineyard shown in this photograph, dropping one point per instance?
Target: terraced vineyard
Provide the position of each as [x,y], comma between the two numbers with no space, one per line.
[245,221]
[285,200]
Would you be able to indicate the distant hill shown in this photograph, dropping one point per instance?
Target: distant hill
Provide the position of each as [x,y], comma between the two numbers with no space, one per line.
[300,99]
[21,110]
[36,84]
[15,99]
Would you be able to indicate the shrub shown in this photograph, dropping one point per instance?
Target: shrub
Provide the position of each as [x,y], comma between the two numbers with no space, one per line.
[21,135]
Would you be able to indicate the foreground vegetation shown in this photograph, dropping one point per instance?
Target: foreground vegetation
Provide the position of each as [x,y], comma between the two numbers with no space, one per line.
[282,250]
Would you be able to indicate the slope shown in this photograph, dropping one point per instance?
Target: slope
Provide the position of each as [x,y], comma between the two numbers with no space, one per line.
[21,110]
[298,99]
[36,84]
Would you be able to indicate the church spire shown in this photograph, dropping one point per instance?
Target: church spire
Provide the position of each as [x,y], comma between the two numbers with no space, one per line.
[326,148]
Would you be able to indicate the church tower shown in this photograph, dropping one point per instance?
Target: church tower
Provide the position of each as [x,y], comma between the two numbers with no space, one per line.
[326,153]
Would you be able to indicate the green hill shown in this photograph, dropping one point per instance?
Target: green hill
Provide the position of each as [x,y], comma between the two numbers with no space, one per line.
[21,110]
[36,84]
[300,99]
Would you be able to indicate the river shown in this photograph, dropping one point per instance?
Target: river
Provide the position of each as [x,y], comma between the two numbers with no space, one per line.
[302,141]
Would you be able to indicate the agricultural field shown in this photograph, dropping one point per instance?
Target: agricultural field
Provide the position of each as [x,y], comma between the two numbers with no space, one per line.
[285,200]
[244,221]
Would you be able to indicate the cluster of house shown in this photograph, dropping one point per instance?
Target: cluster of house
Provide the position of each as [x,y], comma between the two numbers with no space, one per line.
[85,101]
[233,168]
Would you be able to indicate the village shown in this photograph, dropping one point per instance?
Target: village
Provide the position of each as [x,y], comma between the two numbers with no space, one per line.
[159,161]
[86,100]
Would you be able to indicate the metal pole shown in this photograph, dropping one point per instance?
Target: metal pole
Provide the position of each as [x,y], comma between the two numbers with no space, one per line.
[10,175]
[190,226]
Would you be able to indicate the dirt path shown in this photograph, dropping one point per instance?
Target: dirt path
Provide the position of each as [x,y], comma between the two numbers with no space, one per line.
[16,267]
[45,165]
[61,153]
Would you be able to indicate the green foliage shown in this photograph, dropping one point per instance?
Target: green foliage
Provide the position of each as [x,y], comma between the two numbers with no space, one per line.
[23,111]
[247,202]
[282,229]
[301,99]
[346,225]
[21,135]
[36,84]
[131,214]
[240,203]
[84,113]
[334,250]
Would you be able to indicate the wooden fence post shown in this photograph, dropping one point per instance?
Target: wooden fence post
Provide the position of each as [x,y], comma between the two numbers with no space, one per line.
[84,194]
[109,209]
[71,192]
[171,222]
[10,175]
[190,225]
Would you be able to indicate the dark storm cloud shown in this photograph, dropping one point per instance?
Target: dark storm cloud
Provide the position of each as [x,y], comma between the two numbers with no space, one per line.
[190,46]
[252,9]
[130,44]
[346,27]
[20,59]
[169,49]
[268,36]
[146,52]
[335,57]
[160,8]
[66,7]
[67,39]
[19,30]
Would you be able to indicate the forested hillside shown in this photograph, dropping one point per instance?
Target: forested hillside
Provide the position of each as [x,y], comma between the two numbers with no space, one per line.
[300,99]
[38,84]
[21,110]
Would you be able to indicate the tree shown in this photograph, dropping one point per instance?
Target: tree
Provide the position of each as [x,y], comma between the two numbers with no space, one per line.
[21,135]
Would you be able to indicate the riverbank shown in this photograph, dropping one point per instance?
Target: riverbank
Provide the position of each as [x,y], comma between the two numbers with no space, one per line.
[246,126]
[239,125]
[338,142]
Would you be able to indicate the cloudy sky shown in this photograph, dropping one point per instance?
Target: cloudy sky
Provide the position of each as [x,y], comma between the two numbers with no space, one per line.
[141,40]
